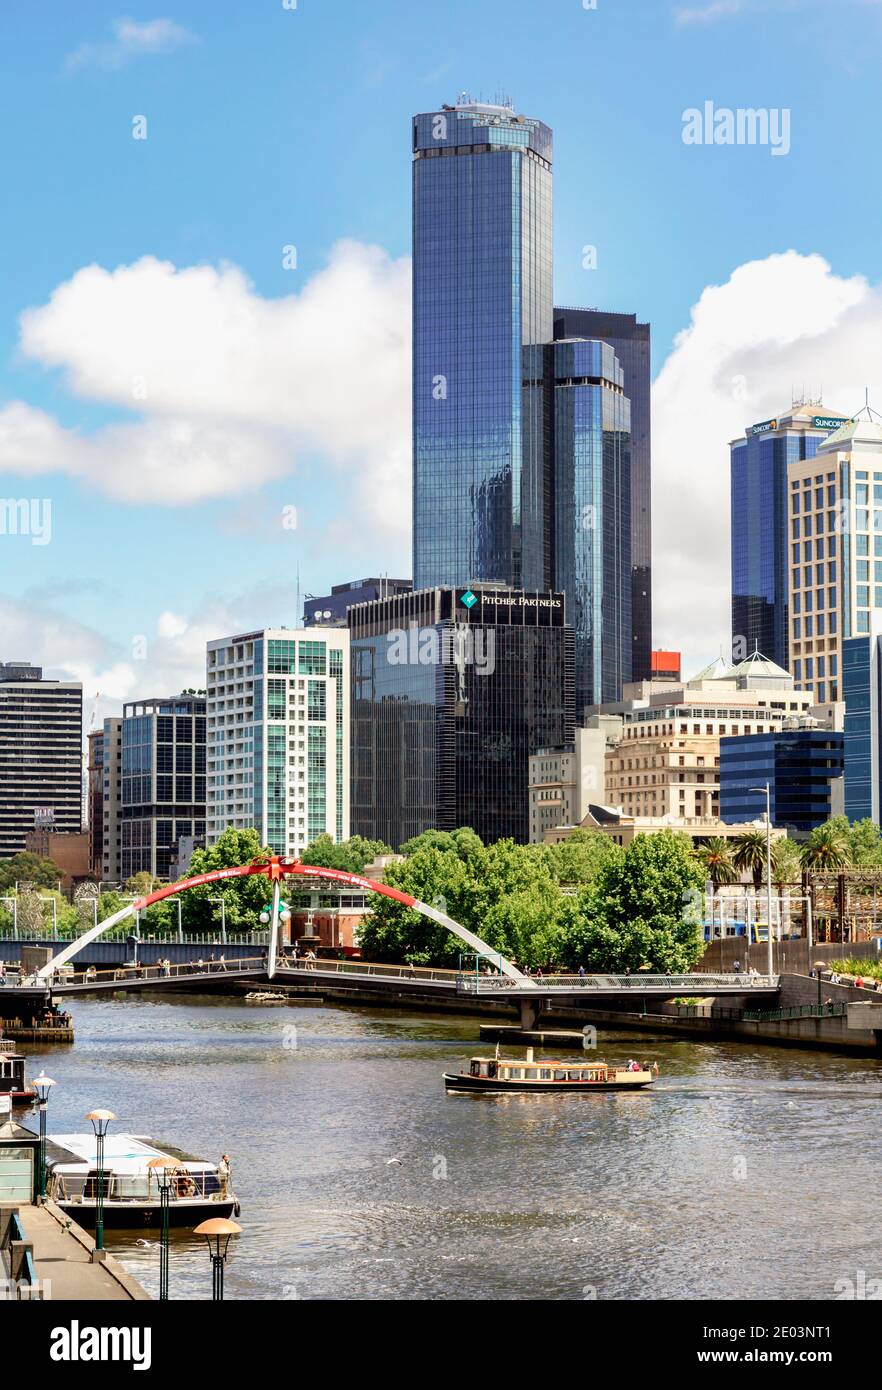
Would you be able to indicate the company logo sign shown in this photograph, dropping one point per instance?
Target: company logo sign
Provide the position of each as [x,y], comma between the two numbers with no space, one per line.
[764,427]
[469,599]
[829,422]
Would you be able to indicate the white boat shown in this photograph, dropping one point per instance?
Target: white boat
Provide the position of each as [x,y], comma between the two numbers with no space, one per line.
[131,1188]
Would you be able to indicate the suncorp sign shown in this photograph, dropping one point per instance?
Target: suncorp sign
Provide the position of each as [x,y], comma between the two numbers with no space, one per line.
[764,427]
[829,422]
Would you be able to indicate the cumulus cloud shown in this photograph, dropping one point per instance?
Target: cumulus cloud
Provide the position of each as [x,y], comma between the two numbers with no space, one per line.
[227,389]
[130,40]
[777,327]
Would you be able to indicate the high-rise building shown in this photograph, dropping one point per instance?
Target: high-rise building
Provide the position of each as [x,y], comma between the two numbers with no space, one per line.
[631,343]
[163,781]
[105,800]
[803,769]
[278,735]
[835,551]
[331,608]
[565,781]
[862,689]
[482,292]
[759,464]
[41,754]
[452,691]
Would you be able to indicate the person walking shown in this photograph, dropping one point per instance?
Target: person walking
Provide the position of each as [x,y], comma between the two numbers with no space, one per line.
[581,974]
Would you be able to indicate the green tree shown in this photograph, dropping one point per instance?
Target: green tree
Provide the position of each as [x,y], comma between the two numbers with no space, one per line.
[864,840]
[463,842]
[643,909]
[28,868]
[750,854]
[351,856]
[826,848]
[243,897]
[140,884]
[715,858]
[578,858]
[786,863]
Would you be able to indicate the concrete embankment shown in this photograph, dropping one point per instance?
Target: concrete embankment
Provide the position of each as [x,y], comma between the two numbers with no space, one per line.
[65,1262]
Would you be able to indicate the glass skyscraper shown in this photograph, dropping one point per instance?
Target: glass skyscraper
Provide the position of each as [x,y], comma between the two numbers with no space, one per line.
[759,520]
[482,292]
[162,781]
[631,342]
[862,692]
[801,766]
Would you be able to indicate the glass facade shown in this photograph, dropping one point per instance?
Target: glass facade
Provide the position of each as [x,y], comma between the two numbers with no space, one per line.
[861,684]
[449,700]
[163,787]
[799,766]
[482,291]
[592,500]
[631,343]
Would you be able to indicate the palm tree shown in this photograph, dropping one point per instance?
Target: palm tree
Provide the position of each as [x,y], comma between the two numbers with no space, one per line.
[826,848]
[750,854]
[715,857]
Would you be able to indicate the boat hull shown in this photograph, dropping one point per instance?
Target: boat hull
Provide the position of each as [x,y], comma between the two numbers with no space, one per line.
[135,1216]
[493,1086]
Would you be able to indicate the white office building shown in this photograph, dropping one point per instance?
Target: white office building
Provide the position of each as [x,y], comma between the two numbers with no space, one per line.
[278,736]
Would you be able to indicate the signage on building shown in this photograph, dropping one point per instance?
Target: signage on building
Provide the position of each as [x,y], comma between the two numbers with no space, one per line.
[764,427]
[829,422]
[44,816]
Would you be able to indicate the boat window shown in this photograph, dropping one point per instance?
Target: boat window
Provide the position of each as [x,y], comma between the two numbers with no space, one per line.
[132,1187]
[560,1074]
[211,1184]
[517,1073]
[475,1069]
[483,1069]
[545,1074]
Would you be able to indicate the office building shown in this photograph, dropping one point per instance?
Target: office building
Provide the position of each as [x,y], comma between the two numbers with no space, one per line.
[565,781]
[759,465]
[631,343]
[482,189]
[803,768]
[621,827]
[41,754]
[163,781]
[105,800]
[278,736]
[862,684]
[835,550]
[453,689]
[331,609]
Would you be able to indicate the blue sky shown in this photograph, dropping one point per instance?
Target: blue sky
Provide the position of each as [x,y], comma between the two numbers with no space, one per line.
[270,127]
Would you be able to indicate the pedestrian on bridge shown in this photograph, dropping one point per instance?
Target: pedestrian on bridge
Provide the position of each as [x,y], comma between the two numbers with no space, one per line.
[581,974]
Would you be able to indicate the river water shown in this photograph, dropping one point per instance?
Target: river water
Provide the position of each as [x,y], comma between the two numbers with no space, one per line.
[746,1172]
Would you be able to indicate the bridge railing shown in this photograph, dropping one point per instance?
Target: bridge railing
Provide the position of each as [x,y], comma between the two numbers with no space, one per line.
[170,938]
[617,984]
[67,979]
[368,968]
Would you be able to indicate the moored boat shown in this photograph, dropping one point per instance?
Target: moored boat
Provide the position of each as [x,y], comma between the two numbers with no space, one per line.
[501,1075]
[131,1183]
[12,1075]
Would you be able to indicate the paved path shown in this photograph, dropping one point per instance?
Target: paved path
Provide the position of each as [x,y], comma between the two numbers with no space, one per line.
[62,1259]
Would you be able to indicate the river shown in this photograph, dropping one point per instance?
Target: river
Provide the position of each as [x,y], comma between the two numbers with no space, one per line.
[747,1172]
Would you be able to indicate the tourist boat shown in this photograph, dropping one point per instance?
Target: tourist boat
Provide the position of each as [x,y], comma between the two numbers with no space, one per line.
[12,1075]
[131,1186]
[264,996]
[500,1075]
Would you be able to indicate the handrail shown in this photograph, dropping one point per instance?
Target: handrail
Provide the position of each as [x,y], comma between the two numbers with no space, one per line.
[377,969]
[183,969]
[618,984]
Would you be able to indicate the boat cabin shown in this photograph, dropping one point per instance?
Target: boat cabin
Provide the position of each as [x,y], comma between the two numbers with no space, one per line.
[12,1074]
[516,1069]
[127,1178]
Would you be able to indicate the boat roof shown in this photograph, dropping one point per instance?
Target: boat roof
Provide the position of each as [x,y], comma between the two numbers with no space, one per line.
[123,1153]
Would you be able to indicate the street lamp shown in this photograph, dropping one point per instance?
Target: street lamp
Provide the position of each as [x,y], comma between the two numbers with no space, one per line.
[43,1085]
[100,1120]
[164,1168]
[768,793]
[218,1233]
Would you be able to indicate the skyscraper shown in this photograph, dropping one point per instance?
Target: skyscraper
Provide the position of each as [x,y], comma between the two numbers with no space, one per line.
[759,519]
[631,342]
[163,781]
[41,754]
[862,690]
[482,188]
[278,735]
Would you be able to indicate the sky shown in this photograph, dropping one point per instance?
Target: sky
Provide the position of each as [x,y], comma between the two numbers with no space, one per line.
[205,286]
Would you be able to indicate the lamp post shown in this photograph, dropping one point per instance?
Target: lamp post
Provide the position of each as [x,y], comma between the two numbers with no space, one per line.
[223,908]
[768,793]
[163,1168]
[100,1120]
[218,1233]
[43,1085]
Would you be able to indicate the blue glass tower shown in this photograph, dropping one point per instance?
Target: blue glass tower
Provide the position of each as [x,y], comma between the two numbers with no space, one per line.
[862,692]
[482,292]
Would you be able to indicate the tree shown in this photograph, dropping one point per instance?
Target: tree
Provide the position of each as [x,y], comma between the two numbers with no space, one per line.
[28,868]
[140,884]
[826,848]
[578,858]
[786,863]
[643,909]
[463,842]
[750,854]
[715,857]
[864,840]
[351,855]
[243,897]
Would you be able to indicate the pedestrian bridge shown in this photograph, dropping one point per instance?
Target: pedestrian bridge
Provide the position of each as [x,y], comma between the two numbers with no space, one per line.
[655,986]
[135,977]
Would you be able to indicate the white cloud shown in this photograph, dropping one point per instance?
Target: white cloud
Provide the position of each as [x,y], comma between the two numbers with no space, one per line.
[130,40]
[229,390]
[778,325]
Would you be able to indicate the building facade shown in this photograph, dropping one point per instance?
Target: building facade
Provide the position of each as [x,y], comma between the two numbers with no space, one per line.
[41,754]
[105,801]
[862,689]
[803,768]
[162,781]
[631,343]
[278,736]
[760,465]
[453,689]
[331,608]
[835,551]
[565,781]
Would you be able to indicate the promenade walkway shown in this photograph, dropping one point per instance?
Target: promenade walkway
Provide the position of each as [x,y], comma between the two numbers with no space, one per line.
[62,1260]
